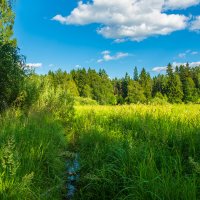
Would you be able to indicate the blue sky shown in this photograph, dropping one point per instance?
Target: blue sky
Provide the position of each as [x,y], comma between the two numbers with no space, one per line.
[108,35]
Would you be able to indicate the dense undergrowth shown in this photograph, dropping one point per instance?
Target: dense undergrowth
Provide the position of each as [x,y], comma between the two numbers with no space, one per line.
[33,146]
[31,162]
[138,152]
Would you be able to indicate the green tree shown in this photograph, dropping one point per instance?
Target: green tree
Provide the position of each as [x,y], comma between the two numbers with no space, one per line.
[159,85]
[7,18]
[87,91]
[174,86]
[135,74]
[146,83]
[124,85]
[190,90]
[135,93]
[11,62]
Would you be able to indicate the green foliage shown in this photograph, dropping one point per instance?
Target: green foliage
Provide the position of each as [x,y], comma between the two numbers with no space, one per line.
[84,101]
[159,85]
[146,83]
[174,86]
[190,92]
[94,85]
[31,166]
[55,99]
[159,99]
[89,84]
[124,85]
[138,152]
[6,22]
[11,74]
[135,93]
[135,75]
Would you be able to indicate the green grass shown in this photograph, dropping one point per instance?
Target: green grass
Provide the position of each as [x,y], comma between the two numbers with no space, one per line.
[138,152]
[126,152]
[31,162]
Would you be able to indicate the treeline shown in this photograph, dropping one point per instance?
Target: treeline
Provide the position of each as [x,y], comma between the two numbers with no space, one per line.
[178,85]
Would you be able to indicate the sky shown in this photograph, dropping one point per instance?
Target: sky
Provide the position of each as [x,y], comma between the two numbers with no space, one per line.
[115,35]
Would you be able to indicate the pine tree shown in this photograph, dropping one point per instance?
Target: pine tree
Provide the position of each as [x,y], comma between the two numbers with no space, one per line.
[135,75]
[174,86]
[125,82]
[189,90]
[146,83]
[159,85]
[135,93]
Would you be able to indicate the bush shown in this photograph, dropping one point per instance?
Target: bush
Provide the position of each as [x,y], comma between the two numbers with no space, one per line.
[11,74]
[84,101]
[159,99]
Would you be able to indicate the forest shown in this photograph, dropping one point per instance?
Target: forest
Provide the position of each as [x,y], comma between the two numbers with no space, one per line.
[82,135]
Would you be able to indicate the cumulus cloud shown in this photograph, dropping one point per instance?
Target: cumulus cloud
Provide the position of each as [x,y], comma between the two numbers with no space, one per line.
[180,4]
[59,18]
[174,64]
[34,65]
[195,24]
[108,57]
[159,69]
[130,19]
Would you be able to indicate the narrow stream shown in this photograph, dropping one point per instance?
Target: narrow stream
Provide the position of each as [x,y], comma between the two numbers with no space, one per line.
[73,168]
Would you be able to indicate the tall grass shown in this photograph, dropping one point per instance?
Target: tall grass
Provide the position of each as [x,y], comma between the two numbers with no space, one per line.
[138,152]
[31,162]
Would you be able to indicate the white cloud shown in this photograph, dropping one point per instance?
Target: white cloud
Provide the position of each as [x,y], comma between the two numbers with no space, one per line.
[105,52]
[59,18]
[159,69]
[195,24]
[130,19]
[181,55]
[34,65]
[120,40]
[174,64]
[186,53]
[180,4]
[78,66]
[107,57]
[192,64]
[195,53]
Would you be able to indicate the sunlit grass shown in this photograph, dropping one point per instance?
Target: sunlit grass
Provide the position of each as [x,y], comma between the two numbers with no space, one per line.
[138,151]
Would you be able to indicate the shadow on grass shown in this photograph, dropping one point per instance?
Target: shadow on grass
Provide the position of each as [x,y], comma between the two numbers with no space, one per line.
[139,157]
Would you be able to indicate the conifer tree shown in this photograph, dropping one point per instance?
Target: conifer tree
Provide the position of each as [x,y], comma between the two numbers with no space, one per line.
[135,75]
[146,83]
[135,93]
[125,82]
[174,86]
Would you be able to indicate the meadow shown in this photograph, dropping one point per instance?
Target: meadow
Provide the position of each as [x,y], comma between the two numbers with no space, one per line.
[124,152]
[138,152]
